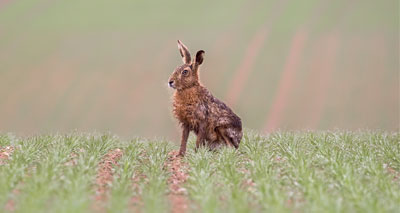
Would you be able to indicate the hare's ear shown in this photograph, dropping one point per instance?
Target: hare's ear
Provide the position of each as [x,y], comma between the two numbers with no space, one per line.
[184,52]
[199,57]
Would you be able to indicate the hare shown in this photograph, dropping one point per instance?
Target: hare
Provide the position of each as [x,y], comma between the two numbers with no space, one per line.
[197,110]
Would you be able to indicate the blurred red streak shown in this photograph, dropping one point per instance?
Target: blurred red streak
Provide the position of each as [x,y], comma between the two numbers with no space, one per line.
[122,96]
[246,66]
[286,82]
[220,49]
[77,102]
[107,103]
[4,3]
[322,70]
[140,92]
[376,94]
[26,87]
[54,86]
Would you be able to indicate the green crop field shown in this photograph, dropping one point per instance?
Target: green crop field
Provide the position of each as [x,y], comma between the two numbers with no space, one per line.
[339,171]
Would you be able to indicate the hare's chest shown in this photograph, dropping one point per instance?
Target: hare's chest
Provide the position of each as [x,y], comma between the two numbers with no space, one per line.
[184,112]
[191,113]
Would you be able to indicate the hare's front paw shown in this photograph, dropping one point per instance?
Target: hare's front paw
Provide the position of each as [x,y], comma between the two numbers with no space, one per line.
[180,154]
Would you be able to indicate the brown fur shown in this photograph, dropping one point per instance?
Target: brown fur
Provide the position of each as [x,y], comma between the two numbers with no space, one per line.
[198,110]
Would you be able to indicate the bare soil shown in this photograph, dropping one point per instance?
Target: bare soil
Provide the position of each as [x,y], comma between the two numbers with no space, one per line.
[105,177]
[136,202]
[177,193]
[5,153]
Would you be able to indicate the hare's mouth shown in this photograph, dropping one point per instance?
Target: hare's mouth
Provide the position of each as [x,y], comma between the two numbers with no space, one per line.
[171,84]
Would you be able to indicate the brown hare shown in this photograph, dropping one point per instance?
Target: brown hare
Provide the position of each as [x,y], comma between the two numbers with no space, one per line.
[198,110]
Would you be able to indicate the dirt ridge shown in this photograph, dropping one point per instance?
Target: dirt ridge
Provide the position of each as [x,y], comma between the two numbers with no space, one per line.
[105,177]
[5,153]
[177,193]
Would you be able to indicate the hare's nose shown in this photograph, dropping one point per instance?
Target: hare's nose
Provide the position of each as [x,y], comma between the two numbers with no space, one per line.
[171,83]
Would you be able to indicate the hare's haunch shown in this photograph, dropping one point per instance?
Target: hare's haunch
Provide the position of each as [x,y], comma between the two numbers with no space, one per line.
[198,110]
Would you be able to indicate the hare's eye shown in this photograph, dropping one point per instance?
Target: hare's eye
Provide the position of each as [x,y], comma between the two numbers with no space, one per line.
[184,72]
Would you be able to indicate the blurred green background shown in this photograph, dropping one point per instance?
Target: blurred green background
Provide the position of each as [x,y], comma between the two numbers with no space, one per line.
[103,65]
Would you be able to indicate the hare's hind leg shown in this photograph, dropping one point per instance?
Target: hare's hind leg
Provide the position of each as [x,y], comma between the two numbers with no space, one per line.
[226,136]
[213,146]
